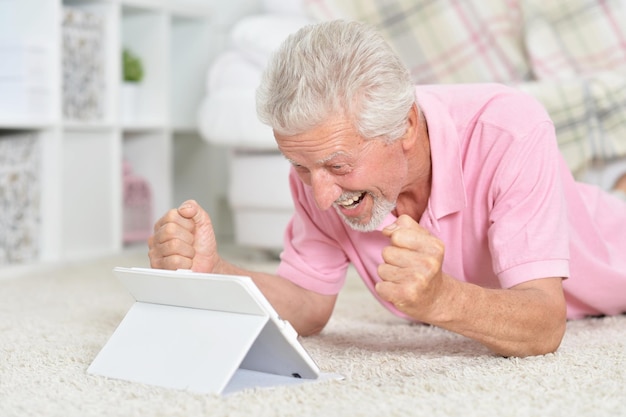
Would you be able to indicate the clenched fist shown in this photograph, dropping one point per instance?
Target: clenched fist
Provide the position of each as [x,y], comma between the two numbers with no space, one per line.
[184,239]
[412,279]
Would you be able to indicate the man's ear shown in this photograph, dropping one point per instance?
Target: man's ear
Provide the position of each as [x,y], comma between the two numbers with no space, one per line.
[413,123]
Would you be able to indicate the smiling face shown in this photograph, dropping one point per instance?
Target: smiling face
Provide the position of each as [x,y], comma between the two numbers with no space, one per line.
[361,178]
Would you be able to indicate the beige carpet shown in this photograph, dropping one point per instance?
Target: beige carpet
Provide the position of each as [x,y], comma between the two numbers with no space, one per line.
[53,321]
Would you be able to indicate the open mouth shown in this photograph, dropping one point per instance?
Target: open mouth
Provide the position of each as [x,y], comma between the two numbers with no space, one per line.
[351,201]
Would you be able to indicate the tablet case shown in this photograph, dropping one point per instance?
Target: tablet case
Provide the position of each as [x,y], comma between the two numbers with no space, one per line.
[196,331]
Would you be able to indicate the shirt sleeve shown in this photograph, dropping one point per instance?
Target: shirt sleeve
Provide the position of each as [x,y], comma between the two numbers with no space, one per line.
[528,232]
[311,258]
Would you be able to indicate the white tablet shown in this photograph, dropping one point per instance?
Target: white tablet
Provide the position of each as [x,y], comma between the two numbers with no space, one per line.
[276,349]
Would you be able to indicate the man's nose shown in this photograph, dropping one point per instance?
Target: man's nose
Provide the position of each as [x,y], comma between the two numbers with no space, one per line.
[325,189]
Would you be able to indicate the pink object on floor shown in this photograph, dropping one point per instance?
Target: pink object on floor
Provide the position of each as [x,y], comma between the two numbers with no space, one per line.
[137,209]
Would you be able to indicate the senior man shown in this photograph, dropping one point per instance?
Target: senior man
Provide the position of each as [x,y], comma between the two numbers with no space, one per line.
[452,202]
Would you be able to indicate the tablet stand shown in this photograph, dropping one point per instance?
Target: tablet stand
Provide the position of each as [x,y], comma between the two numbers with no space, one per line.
[178,347]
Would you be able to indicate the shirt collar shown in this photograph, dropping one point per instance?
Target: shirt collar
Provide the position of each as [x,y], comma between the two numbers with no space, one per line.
[447,193]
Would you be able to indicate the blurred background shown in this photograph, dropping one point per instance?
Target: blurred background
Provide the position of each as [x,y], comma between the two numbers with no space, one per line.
[114,111]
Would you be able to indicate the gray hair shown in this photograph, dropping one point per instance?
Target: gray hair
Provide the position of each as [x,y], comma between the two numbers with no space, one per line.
[336,68]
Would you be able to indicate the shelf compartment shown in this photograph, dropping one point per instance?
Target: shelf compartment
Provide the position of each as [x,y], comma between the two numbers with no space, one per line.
[145,32]
[91,193]
[28,63]
[148,153]
[190,59]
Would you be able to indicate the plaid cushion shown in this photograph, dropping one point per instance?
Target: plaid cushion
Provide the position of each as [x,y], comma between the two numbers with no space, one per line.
[589,114]
[567,38]
[577,51]
[568,104]
[444,41]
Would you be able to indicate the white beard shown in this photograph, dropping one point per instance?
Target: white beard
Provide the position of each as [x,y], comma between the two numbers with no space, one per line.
[380,209]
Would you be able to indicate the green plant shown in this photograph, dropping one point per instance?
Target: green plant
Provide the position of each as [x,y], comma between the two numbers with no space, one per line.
[132,67]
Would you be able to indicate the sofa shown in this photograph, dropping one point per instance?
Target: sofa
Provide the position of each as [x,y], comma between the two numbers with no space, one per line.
[569,54]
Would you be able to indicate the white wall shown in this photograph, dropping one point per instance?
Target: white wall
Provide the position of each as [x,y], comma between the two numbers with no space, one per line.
[201,169]
[228,11]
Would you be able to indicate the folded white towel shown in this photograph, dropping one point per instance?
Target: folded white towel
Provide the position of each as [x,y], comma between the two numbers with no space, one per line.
[257,36]
[228,117]
[231,70]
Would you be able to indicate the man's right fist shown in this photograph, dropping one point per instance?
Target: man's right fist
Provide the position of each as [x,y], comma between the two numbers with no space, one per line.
[184,239]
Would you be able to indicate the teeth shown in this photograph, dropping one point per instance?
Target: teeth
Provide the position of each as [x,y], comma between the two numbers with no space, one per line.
[350,200]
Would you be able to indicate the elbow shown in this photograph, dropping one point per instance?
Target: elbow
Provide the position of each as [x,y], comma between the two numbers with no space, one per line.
[553,333]
[543,341]
[558,338]
[549,334]
[550,344]
[534,347]
[314,315]
[312,331]
[311,327]
[554,337]
[313,324]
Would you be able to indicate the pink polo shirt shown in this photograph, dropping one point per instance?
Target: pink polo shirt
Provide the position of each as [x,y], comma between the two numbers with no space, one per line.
[503,201]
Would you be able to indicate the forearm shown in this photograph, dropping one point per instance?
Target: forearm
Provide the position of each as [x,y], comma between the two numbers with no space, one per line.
[522,321]
[306,311]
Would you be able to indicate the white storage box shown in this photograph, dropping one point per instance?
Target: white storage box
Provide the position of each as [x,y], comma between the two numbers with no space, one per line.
[83,65]
[19,198]
[260,198]
[25,81]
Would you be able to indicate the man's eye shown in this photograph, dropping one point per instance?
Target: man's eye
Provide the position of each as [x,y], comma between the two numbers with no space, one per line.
[339,169]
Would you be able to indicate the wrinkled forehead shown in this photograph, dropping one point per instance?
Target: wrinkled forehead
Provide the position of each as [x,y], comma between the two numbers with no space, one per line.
[334,138]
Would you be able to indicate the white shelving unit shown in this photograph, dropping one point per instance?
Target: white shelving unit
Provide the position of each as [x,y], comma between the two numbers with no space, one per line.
[81,187]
